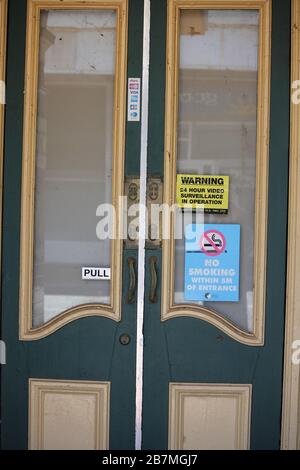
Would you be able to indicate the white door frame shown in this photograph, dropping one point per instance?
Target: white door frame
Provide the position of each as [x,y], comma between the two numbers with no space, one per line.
[142,229]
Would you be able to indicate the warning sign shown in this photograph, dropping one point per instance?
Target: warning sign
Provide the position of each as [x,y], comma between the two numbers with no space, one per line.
[210,193]
[212,262]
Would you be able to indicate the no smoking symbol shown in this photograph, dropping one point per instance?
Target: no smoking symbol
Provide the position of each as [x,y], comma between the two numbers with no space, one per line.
[212,243]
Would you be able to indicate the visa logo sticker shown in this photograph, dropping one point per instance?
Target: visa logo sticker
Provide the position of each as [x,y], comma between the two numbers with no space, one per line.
[134,99]
[96,274]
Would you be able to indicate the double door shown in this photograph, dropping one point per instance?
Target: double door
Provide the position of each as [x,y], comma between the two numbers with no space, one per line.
[144,230]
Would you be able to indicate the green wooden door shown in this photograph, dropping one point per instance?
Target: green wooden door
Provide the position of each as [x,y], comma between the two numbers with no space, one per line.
[88,350]
[183,350]
[220,370]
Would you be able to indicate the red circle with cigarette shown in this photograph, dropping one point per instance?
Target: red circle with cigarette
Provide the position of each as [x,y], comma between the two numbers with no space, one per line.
[212,243]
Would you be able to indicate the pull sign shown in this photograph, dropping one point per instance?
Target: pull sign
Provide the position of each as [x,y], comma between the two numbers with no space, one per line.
[96,274]
[134,99]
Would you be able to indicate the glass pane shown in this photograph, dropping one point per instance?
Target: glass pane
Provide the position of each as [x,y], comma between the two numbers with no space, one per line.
[218,82]
[73,158]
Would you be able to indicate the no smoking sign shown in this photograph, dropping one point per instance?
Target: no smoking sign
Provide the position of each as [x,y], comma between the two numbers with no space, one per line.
[212,263]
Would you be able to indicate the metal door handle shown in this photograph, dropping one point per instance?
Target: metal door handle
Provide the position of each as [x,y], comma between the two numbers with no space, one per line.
[153,282]
[132,281]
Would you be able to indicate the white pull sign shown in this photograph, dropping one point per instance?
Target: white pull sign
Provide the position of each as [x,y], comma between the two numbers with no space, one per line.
[96,274]
[134,99]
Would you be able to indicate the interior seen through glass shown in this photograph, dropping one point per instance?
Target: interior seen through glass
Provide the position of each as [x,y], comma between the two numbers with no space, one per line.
[218,81]
[73,158]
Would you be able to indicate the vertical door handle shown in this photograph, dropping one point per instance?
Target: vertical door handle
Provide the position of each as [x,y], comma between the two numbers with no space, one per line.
[132,281]
[153,281]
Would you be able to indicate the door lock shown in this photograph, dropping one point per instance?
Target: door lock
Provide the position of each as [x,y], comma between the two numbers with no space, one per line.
[153,190]
[154,197]
[154,207]
[133,191]
[124,340]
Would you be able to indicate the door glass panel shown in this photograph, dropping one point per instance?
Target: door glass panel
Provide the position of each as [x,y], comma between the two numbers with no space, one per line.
[73,158]
[217,121]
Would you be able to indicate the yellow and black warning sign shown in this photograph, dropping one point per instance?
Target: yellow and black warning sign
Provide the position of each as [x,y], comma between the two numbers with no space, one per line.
[210,193]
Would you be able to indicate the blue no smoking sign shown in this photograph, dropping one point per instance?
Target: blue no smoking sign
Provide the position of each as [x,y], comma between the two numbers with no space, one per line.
[212,262]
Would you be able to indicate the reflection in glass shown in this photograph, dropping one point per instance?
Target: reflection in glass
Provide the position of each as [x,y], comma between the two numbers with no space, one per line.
[73,157]
[217,122]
